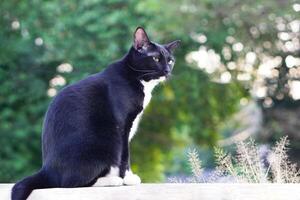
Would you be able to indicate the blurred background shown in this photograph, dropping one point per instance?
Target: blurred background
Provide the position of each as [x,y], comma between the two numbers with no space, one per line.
[237,74]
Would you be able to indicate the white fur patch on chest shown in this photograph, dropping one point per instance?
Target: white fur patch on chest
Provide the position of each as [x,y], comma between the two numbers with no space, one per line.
[148,87]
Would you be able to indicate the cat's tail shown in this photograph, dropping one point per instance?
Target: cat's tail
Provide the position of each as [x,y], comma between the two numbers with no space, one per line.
[22,189]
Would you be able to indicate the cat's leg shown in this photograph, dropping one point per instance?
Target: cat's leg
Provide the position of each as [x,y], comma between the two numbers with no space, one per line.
[110,179]
[129,177]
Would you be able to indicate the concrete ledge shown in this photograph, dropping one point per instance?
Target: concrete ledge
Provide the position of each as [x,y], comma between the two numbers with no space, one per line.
[167,192]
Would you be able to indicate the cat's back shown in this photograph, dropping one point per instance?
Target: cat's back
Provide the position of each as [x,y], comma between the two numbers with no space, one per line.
[86,98]
[77,93]
[75,109]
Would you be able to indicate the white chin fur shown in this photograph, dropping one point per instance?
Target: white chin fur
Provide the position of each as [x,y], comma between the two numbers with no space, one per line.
[148,87]
[131,179]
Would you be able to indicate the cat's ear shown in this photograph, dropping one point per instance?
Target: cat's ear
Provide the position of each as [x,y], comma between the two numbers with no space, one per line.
[141,39]
[172,45]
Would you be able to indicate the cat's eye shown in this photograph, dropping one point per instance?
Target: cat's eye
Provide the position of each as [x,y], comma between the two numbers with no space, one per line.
[171,62]
[155,58]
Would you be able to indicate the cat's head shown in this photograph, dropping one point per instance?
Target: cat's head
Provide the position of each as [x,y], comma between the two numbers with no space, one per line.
[151,60]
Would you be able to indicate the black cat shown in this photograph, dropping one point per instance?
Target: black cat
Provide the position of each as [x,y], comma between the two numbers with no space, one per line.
[89,124]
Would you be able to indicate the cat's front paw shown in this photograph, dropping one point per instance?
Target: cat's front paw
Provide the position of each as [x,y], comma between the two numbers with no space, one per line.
[131,179]
[109,181]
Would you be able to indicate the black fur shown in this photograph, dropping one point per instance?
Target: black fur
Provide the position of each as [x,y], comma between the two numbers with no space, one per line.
[87,124]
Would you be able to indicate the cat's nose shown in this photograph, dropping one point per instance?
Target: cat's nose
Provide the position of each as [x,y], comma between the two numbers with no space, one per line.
[167,71]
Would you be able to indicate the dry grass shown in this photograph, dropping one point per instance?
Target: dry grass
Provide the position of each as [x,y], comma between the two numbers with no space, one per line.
[248,166]
[195,164]
[281,168]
